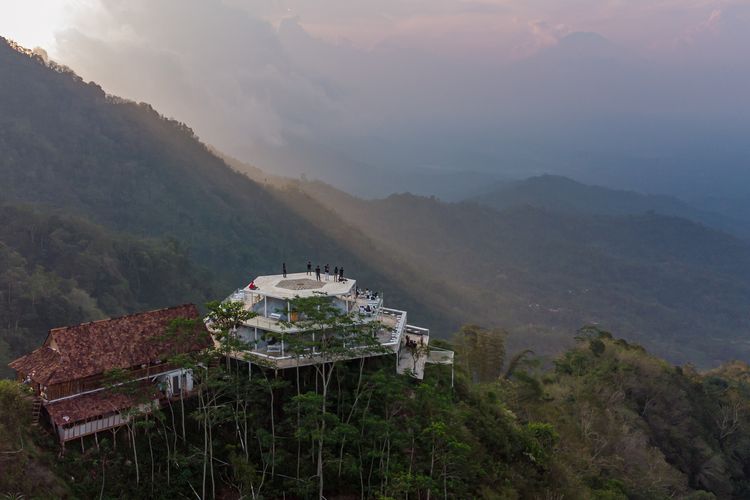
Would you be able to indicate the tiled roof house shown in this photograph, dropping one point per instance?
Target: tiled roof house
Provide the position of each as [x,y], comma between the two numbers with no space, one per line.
[69,372]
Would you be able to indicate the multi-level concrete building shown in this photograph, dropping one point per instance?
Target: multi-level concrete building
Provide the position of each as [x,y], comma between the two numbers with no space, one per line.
[277,326]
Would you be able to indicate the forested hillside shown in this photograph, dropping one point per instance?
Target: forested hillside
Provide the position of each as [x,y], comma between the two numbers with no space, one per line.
[676,286]
[634,426]
[607,420]
[67,144]
[57,270]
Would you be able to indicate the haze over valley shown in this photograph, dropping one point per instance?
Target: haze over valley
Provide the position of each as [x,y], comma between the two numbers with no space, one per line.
[626,95]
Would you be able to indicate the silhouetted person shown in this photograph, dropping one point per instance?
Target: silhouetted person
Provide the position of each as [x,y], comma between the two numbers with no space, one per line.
[283,268]
[341,274]
[336,273]
[317,273]
[309,268]
[327,271]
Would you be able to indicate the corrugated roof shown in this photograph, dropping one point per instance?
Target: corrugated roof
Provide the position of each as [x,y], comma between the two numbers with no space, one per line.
[80,351]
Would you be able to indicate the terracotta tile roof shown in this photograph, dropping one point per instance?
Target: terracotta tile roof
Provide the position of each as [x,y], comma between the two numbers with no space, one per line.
[80,351]
[99,403]
[39,365]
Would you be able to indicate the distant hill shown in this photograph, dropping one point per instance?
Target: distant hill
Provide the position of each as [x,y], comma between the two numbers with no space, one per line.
[314,162]
[563,194]
[678,287]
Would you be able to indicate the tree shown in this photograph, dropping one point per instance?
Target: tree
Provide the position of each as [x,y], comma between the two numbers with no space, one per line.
[224,318]
[328,335]
[481,352]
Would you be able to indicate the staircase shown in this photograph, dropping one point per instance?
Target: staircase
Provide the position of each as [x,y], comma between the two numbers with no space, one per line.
[36,410]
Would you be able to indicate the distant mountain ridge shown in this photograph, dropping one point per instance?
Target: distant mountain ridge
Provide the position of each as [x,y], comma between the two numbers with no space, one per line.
[314,162]
[674,285]
[563,194]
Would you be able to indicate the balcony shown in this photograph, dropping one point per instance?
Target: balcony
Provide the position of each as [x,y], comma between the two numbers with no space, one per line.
[277,354]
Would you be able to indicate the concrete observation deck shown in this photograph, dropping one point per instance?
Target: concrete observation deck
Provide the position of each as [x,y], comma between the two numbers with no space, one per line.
[296,285]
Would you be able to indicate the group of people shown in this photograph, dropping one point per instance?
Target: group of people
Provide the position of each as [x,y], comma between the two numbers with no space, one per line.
[366,310]
[338,272]
[413,343]
[369,295]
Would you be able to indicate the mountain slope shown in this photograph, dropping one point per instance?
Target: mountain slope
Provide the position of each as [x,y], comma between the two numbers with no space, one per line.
[57,270]
[68,144]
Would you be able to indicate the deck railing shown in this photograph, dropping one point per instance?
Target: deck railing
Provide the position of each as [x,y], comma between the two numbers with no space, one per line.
[439,356]
[91,427]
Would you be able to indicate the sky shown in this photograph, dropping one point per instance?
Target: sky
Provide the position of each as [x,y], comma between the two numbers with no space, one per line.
[621,92]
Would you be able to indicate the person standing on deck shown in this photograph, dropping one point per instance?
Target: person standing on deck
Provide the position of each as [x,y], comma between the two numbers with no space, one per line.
[341,274]
[336,273]
[327,270]
[317,272]
[309,268]
[283,268]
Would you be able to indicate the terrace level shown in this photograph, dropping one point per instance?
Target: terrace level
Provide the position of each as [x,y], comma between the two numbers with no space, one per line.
[272,333]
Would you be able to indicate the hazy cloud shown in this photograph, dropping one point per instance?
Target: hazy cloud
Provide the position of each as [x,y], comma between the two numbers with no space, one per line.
[212,65]
[482,84]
